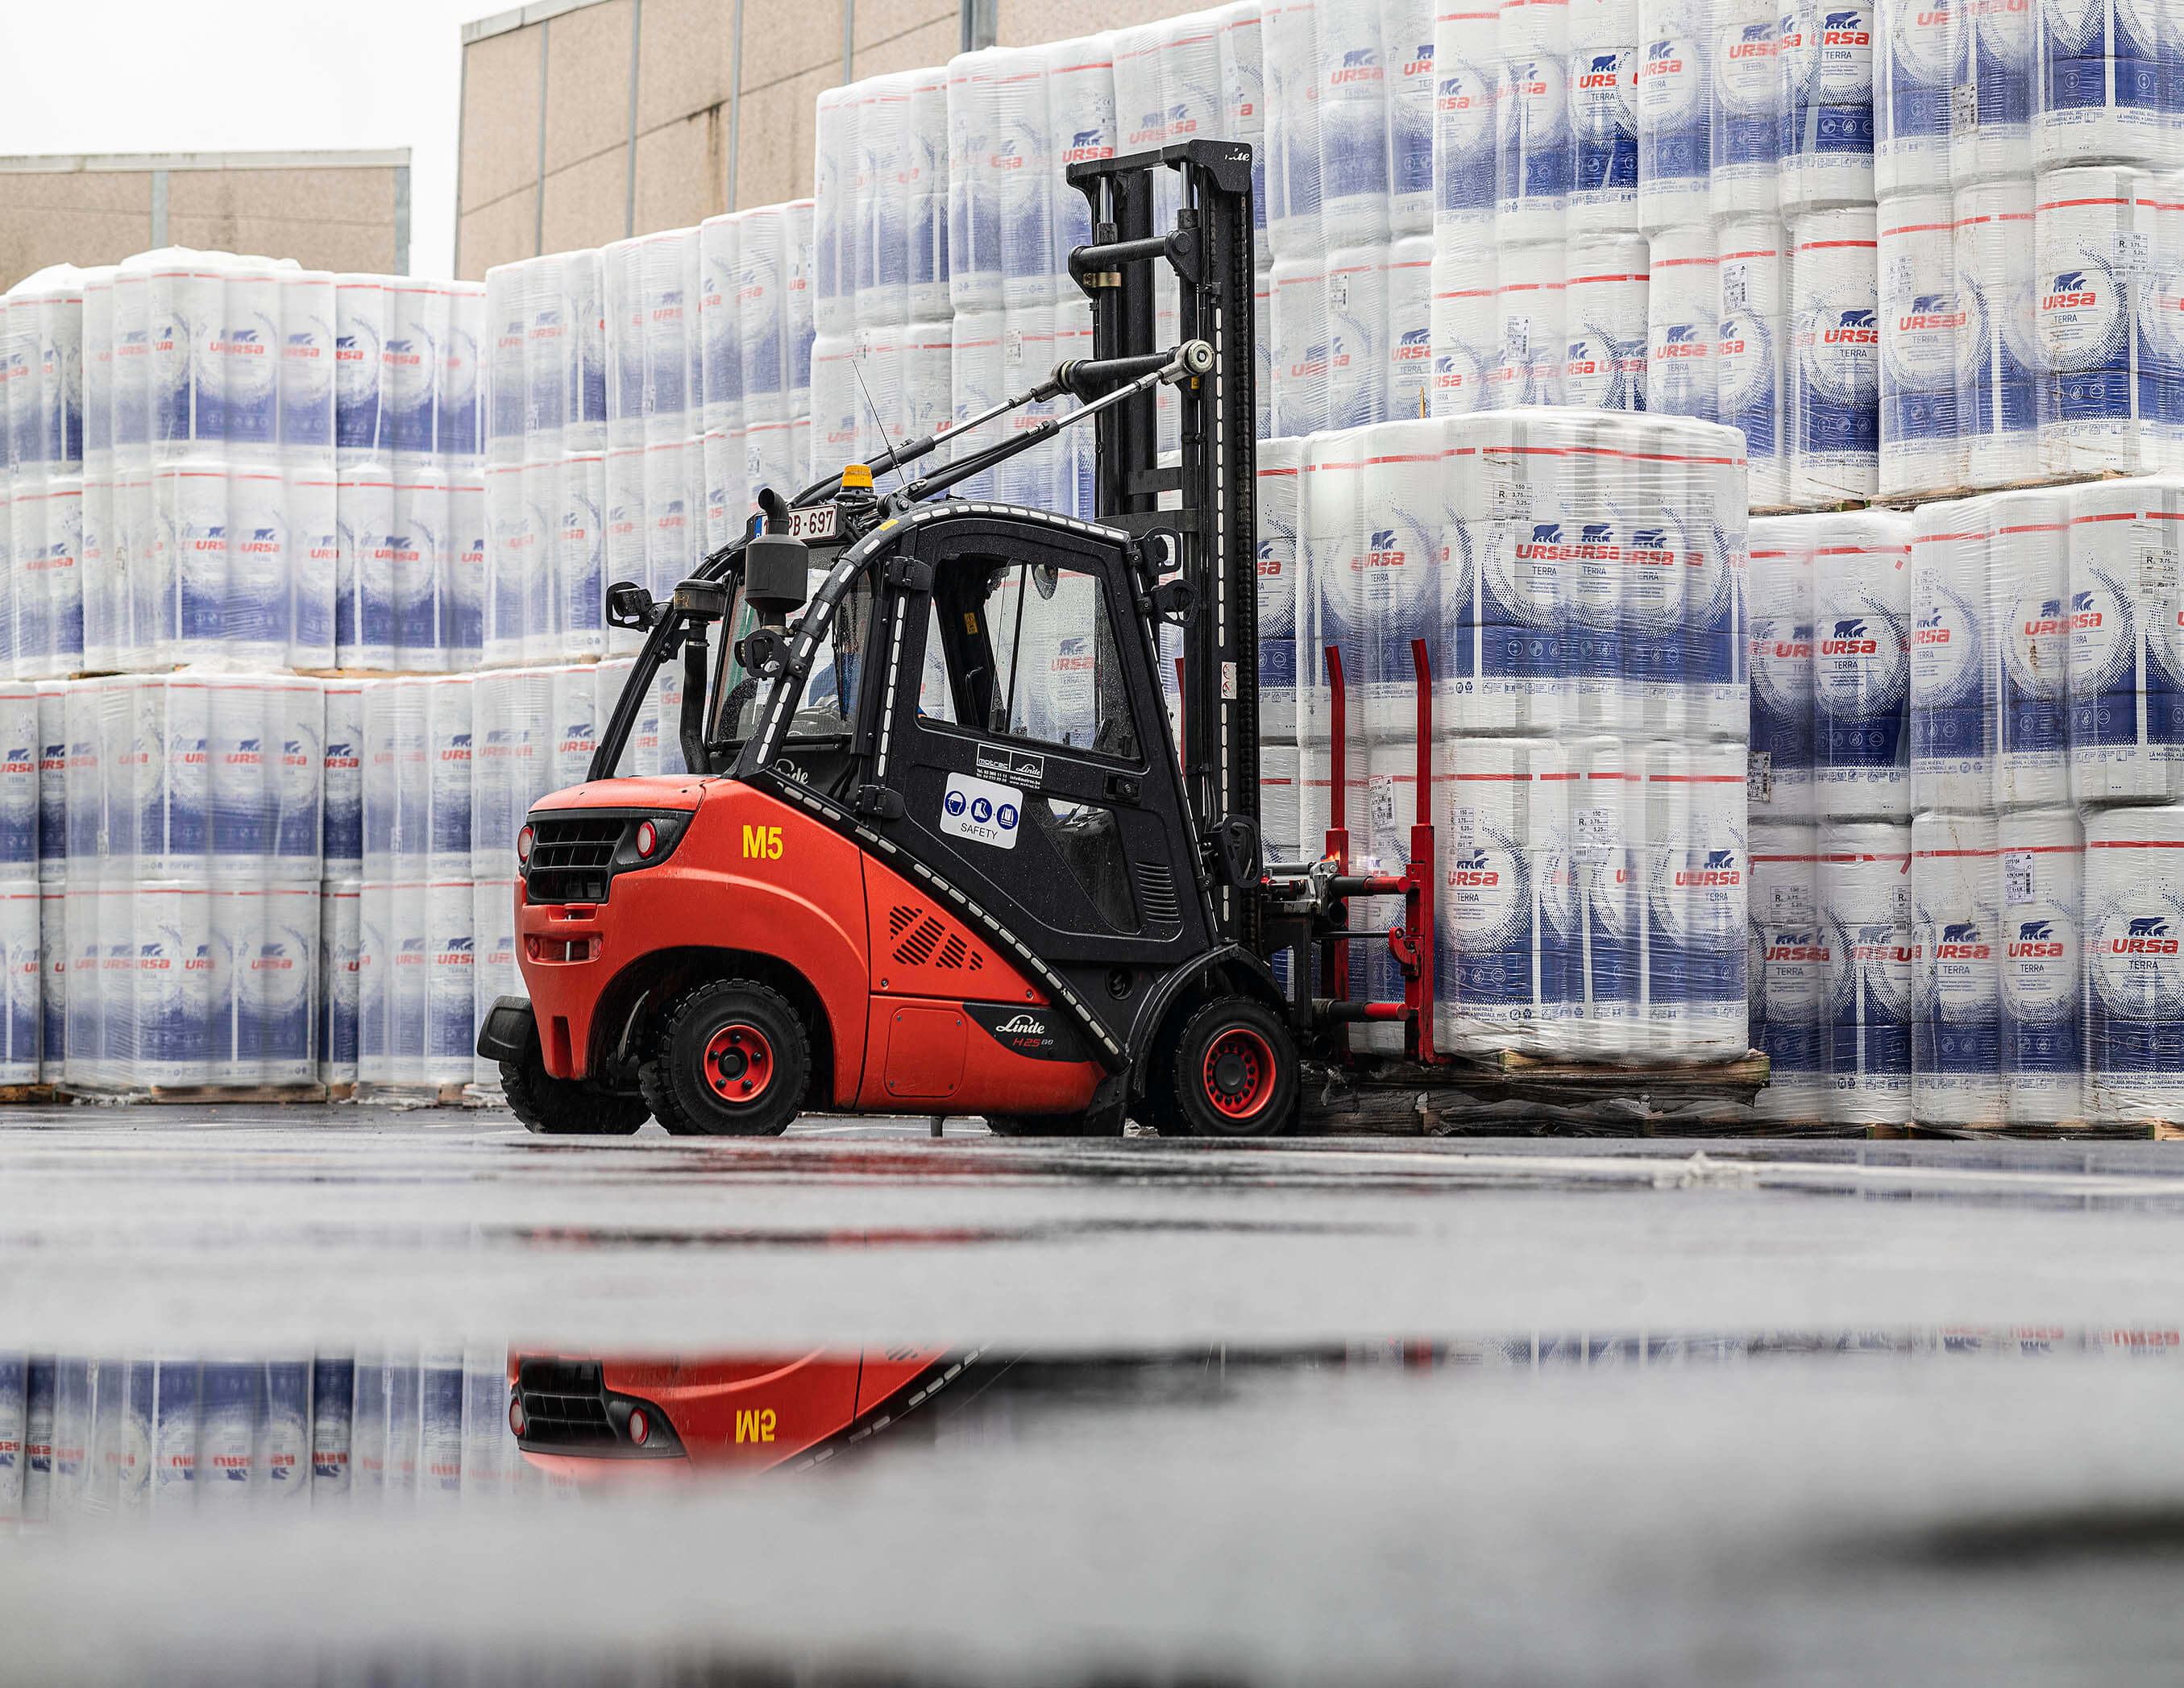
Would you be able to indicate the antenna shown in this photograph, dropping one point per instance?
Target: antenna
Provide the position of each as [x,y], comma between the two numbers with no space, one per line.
[856,369]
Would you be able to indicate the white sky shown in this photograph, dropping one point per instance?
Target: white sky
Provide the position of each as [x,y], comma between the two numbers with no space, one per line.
[233,75]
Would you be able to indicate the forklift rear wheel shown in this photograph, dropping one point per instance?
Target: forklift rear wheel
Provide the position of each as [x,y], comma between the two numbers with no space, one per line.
[561,1107]
[1236,1070]
[730,1059]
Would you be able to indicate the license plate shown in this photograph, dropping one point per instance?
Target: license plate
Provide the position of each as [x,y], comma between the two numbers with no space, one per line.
[813,521]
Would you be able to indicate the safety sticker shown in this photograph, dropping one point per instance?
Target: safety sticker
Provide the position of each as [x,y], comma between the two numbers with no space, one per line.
[981,810]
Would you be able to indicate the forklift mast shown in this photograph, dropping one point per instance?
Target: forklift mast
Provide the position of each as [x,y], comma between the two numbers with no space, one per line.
[1213,536]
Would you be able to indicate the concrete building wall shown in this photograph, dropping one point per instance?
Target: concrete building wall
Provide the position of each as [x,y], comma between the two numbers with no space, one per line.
[327,211]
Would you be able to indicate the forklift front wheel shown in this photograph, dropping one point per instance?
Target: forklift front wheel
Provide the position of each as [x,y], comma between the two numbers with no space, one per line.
[1236,1070]
[730,1060]
[561,1107]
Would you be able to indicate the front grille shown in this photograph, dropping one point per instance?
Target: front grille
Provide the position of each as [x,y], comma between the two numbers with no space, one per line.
[562,1403]
[571,861]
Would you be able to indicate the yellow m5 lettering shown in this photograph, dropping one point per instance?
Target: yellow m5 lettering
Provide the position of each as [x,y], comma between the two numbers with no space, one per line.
[761,843]
[755,1425]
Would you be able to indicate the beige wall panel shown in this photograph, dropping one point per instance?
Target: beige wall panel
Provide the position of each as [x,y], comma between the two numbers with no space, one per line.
[584,202]
[680,172]
[328,196]
[881,21]
[499,233]
[315,246]
[29,242]
[931,42]
[588,85]
[500,116]
[680,67]
[113,191]
[1025,23]
[773,159]
[782,41]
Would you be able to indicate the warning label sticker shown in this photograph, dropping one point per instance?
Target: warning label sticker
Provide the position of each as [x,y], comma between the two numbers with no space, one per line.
[981,810]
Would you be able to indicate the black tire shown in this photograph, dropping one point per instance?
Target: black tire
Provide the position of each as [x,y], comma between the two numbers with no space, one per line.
[560,1108]
[1235,1072]
[729,1059]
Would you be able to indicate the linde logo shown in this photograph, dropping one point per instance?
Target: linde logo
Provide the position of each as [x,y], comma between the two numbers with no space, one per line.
[1682,341]
[1931,310]
[2082,613]
[1382,552]
[1758,41]
[1359,64]
[1796,946]
[1661,60]
[1650,546]
[1929,630]
[1854,328]
[1845,29]
[1546,544]
[1719,869]
[1469,871]
[2145,935]
[2071,292]
[1961,942]
[1850,639]
[2035,940]
[2050,620]
[1023,1026]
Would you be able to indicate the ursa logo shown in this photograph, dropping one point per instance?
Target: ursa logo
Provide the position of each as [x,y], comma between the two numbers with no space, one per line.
[1595,543]
[1662,60]
[456,952]
[246,751]
[2082,613]
[1085,144]
[1650,545]
[1853,328]
[2049,620]
[1469,871]
[304,345]
[1929,630]
[1930,311]
[2144,935]
[1850,639]
[1961,942]
[1416,344]
[1180,121]
[2036,941]
[1844,29]
[272,958]
[1682,341]
[1797,946]
[1603,73]
[1757,41]
[263,541]
[1719,869]
[1382,552]
[2071,292]
[1546,544]
[399,352]
[457,748]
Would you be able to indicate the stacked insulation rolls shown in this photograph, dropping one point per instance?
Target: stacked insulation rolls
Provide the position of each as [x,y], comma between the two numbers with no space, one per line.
[1578,581]
[2031,241]
[1966,831]
[641,395]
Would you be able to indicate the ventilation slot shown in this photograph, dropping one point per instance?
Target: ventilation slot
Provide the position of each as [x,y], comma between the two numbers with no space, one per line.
[916,950]
[900,916]
[1156,894]
[951,953]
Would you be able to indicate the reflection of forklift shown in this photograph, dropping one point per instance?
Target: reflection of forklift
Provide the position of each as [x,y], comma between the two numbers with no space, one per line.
[945,857]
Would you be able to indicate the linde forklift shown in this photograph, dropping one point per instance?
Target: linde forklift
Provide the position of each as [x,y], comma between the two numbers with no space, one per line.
[902,880]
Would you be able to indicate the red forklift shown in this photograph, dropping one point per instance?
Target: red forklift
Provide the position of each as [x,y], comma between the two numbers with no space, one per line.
[944,853]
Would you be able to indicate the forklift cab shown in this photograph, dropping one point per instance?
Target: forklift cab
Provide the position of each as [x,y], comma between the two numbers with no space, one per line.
[975,685]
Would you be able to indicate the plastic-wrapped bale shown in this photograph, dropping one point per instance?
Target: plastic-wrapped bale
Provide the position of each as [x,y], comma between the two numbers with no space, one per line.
[2100,398]
[1953,667]
[2040,854]
[1998,353]
[1788,970]
[1826,56]
[1697,882]
[1505,882]
[2134,938]
[1835,427]
[1956,971]
[1675,134]
[1861,688]
[1780,786]
[1864,880]
[2126,672]
[2029,575]
[1599,1015]
[1275,508]
[1922,324]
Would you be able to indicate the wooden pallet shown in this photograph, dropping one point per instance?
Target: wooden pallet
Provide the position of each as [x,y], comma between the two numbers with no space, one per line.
[1907,501]
[1503,1092]
[368,1093]
[193,1095]
[26,1095]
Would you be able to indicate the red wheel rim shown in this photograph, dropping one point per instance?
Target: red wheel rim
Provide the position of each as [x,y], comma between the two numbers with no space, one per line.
[738,1063]
[1238,1074]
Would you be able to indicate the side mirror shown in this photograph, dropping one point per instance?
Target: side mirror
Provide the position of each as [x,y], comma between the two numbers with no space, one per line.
[629,605]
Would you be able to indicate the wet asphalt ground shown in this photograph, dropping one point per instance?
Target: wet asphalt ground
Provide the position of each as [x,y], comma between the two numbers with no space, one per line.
[1359,1410]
